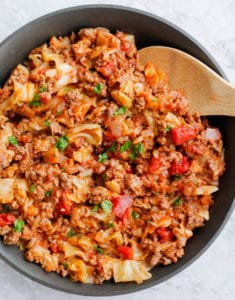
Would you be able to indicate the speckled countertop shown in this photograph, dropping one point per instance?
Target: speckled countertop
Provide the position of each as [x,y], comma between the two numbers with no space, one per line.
[212,23]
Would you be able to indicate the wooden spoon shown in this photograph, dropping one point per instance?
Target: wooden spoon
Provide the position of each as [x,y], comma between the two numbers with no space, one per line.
[208,93]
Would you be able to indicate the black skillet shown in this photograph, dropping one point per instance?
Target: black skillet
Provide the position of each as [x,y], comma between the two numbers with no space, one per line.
[148,30]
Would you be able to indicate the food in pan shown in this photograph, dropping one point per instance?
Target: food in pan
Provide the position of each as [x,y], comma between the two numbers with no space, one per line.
[104,171]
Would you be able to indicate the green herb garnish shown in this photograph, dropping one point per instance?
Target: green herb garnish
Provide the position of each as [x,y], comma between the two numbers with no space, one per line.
[99,249]
[48,193]
[65,265]
[98,88]
[126,146]
[18,225]
[71,233]
[168,128]
[135,149]
[113,148]
[103,157]
[120,111]
[107,206]
[62,143]
[36,101]
[139,148]
[32,188]
[59,112]
[105,177]
[132,155]
[155,99]
[95,208]
[13,140]
[111,225]
[177,202]
[135,215]
[47,123]
[42,89]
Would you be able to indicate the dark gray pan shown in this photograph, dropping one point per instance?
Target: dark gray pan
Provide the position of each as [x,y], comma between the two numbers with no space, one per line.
[148,30]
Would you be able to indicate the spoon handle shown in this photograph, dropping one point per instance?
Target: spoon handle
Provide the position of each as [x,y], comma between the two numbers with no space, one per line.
[221,100]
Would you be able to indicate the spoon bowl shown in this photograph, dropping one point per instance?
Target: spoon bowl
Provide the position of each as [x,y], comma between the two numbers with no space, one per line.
[207,92]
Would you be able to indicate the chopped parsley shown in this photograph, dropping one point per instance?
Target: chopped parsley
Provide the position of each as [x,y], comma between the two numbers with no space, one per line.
[155,99]
[32,188]
[98,88]
[111,225]
[126,146]
[139,148]
[59,112]
[99,249]
[62,143]
[36,101]
[71,233]
[135,149]
[120,111]
[65,265]
[63,169]
[132,155]
[177,202]
[18,225]
[103,157]
[113,148]
[105,177]
[107,206]
[42,89]
[47,122]
[135,215]
[48,193]
[95,208]
[13,140]
[168,128]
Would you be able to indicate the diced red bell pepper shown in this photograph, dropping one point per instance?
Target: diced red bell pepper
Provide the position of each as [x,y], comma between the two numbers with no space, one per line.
[127,252]
[108,136]
[7,219]
[55,248]
[129,171]
[180,167]
[165,234]
[24,138]
[154,165]
[64,206]
[108,69]
[121,204]
[45,97]
[182,134]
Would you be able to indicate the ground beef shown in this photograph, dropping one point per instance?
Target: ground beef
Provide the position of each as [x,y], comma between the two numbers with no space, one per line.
[93,181]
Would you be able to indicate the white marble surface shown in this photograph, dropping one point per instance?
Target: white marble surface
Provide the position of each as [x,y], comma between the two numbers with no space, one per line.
[212,23]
